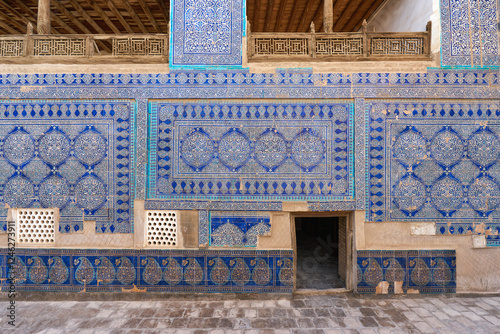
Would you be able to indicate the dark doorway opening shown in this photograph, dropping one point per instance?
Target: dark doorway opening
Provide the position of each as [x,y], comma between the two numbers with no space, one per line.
[321,252]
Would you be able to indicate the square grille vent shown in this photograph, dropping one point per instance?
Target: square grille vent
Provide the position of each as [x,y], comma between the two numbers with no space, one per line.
[161,228]
[35,227]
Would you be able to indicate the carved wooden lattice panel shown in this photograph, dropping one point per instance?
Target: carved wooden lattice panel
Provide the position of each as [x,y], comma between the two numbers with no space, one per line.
[60,47]
[138,47]
[11,48]
[282,46]
[327,46]
[397,46]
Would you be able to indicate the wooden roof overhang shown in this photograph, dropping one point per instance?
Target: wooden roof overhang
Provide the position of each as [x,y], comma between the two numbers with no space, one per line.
[152,16]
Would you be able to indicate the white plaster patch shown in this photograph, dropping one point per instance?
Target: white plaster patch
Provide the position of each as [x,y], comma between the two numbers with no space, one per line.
[478,241]
[423,229]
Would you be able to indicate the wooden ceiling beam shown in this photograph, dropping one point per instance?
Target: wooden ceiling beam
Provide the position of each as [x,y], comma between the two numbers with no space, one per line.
[368,14]
[23,18]
[104,16]
[150,16]
[136,18]
[6,23]
[318,16]
[347,15]
[256,15]
[269,15]
[83,13]
[77,22]
[281,16]
[293,15]
[31,16]
[119,16]
[307,16]
[71,17]
[164,10]
[338,10]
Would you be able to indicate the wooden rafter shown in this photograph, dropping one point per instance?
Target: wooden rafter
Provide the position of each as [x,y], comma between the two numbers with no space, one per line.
[269,14]
[24,19]
[74,20]
[5,23]
[136,18]
[104,16]
[368,14]
[256,15]
[151,18]
[293,16]
[346,15]
[307,16]
[119,16]
[318,16]
[338,9]
[278,26]
[164,10]
[71,17]
[83,13]
[32,17]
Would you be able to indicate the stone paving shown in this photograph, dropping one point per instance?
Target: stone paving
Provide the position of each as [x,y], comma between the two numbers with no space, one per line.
[331,314]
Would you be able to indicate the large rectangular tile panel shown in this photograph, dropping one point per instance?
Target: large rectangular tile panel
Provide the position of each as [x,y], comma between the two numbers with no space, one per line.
[75,155]
[248,149]
[433,160]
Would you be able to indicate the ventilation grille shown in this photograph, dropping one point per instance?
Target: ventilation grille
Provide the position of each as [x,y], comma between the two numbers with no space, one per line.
[161,228]
[35,227]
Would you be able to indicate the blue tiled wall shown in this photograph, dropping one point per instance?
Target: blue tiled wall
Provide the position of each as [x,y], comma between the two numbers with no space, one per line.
[469,33]
[75,155]
[149,270]
[426,271]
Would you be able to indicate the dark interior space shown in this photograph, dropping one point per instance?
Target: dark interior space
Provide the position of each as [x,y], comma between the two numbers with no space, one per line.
[318,253]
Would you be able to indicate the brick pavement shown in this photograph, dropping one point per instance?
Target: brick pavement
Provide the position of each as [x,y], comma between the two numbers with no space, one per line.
[332,314]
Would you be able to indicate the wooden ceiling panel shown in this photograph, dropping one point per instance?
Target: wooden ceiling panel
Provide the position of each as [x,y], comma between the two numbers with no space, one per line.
[152,16]
[297,15]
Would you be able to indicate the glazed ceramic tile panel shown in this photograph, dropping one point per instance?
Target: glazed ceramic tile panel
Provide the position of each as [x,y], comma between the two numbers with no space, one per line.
[493,240]
[434,161]
[426,271]
[237,229]
[75,155]
[206,33]
[469,33]
[161,270]
[244,149]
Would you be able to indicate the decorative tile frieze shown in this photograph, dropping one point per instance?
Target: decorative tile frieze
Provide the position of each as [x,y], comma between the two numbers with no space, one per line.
[74,155]
[407,271]
[221,149]
[68,270]
[213,205]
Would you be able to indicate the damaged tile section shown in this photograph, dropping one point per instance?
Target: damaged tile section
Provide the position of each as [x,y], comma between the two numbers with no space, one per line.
[406,271]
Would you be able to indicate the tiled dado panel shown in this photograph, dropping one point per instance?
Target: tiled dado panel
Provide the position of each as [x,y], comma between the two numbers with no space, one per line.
[427,271]
[151,270]
[436,161]
[206,33]
[238,229]
[469,33]
[248,149]
[75,155]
